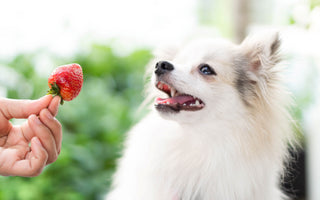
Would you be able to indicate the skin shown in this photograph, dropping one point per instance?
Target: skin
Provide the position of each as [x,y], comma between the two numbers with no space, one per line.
[41,130]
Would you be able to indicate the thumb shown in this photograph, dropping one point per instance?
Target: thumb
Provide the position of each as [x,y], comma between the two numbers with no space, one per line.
[12,108]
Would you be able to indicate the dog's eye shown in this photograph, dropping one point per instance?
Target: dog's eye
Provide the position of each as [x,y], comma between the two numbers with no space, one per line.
[206,69]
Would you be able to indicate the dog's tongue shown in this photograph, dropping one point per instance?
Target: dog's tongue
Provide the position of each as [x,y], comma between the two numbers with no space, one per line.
[175,100]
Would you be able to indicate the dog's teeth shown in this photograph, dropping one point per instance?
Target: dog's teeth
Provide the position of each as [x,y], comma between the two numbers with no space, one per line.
[167,102]
[160,86]
[172,92]
[184,104]
[197,103]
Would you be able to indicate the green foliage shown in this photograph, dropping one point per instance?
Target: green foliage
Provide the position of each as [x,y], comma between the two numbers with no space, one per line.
[93,124]
[314,3]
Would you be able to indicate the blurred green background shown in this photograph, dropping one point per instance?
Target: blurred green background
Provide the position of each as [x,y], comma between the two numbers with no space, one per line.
[93,124]
[113,44]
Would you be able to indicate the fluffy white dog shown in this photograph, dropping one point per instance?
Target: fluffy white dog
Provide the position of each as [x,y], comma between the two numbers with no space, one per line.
[219,129]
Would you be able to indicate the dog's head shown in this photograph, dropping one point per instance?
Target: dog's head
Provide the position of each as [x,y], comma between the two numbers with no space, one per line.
[215,77]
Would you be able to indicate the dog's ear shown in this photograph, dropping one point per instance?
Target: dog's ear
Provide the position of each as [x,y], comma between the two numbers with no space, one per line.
[261,52]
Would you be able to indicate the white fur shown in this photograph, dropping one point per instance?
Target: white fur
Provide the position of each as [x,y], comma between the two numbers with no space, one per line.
[229,150]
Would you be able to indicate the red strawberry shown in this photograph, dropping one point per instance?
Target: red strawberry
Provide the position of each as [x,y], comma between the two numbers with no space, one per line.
[66,81]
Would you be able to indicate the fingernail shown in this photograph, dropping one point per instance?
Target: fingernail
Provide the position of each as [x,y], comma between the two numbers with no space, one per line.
[59,100]
[37,120]
[48,114]
[36,140]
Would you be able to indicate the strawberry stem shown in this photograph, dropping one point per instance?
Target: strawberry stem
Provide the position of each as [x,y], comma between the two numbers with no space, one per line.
[55,90]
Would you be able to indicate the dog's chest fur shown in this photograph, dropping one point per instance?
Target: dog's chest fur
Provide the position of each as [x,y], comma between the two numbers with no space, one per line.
[181,162]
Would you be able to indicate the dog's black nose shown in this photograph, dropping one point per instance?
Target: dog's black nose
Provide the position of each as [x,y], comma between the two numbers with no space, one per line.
[163,67]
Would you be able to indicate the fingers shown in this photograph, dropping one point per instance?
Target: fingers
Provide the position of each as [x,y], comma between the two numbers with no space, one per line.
[34,163]
[54,105]
[53,125]
[38,129]
[39,157]
[47,128]
[42,129]
[12,108]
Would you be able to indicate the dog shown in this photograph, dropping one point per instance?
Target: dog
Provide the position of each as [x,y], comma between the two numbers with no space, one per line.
[219,129]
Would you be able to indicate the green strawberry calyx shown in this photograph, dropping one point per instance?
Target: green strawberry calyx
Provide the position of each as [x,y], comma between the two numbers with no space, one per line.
[55,90]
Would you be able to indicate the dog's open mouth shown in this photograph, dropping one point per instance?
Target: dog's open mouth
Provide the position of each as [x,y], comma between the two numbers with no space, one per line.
[176,101]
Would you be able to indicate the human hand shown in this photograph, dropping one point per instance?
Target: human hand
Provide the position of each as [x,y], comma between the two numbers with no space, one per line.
[42,130]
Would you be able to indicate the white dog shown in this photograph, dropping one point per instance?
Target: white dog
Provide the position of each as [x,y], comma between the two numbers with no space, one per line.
[219,130]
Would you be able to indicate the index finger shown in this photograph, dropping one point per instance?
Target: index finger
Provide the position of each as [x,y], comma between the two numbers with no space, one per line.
[54,105]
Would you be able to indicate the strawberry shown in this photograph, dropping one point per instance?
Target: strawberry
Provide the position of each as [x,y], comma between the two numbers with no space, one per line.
[66,81]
